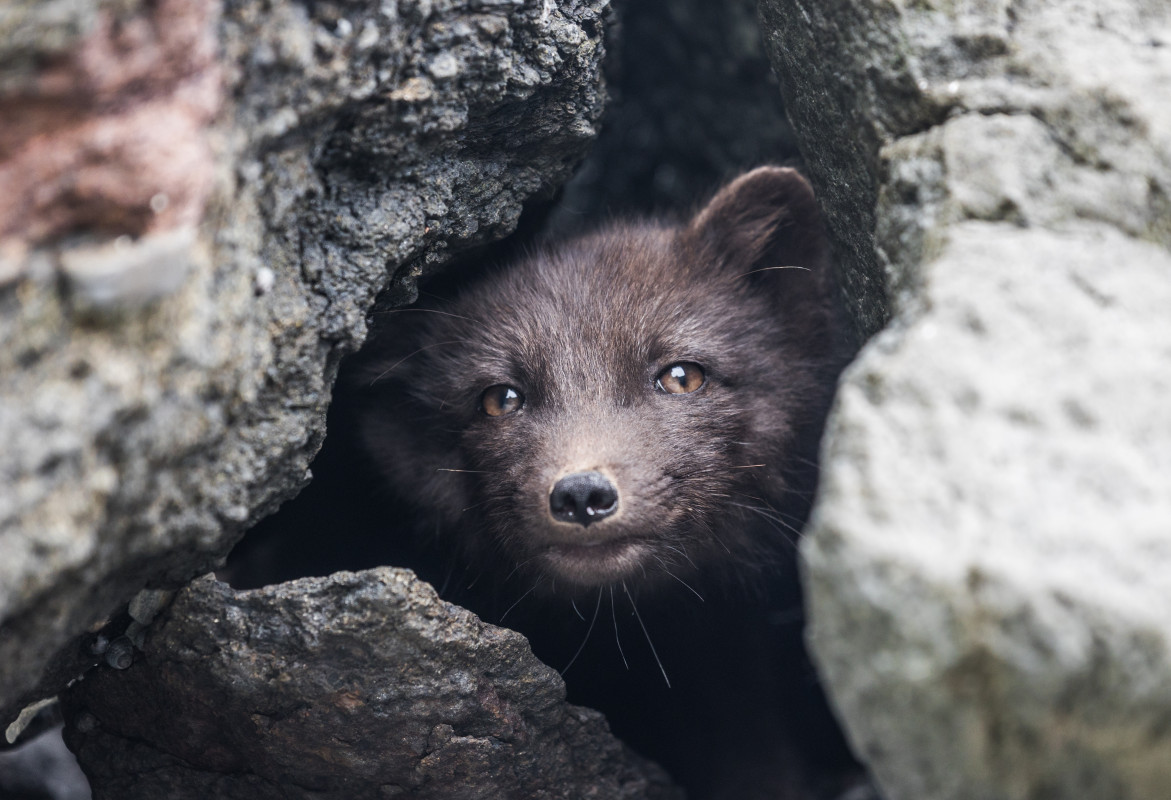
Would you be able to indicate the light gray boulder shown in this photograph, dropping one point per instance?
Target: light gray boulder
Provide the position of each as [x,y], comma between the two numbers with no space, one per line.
[988,561]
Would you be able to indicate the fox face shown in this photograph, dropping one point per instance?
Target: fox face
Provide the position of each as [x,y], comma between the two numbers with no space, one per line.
[639,406]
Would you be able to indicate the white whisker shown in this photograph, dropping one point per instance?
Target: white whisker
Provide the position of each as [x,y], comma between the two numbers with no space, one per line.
[426,311]
[590,630]
[617,640]
[522,597]
[645,633]
[767,269]
[391,368]
[690,588]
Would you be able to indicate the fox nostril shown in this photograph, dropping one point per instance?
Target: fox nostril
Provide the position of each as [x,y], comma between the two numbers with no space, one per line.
[601,501]
[583,497]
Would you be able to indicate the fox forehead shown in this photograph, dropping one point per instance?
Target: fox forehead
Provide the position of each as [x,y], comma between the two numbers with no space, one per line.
[633,295]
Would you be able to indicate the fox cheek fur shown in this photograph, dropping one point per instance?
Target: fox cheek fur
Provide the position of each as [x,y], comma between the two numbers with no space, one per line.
[623,407]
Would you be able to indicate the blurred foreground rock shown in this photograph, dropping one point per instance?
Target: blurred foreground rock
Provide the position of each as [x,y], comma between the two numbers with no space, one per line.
[201,201]
[989,556]
[359,685]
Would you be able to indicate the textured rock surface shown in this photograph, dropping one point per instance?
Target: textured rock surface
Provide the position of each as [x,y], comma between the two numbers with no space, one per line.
[359,685]
[201,202]
[848,89]
[989,557]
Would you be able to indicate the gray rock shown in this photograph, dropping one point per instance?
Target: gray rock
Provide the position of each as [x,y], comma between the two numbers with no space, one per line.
[145,605]
[359,685]
[848,88]
[156,400]
[988,557]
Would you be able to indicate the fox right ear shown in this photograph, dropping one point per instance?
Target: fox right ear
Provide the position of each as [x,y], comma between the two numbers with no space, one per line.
[765,229]
[764,219]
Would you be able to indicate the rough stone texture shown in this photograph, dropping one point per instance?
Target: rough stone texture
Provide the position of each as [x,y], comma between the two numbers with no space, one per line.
[848,89]
[694,103]
[988,559]
[359,685]
[111,137]
[201,202]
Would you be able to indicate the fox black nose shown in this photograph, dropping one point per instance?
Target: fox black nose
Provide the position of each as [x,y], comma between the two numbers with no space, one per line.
[583,497]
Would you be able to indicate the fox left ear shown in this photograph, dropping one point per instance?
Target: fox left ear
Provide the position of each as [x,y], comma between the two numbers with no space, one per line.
[763,220]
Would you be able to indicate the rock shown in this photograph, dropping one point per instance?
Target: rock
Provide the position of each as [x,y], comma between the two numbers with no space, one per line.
[987,561]
[202,201]
[847,90]
[359,685]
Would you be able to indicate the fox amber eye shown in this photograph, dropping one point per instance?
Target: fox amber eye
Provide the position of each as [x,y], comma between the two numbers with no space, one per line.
[682,378]
[498,400]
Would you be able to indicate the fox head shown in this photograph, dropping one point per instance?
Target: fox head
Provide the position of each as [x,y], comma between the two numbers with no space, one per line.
[637,405]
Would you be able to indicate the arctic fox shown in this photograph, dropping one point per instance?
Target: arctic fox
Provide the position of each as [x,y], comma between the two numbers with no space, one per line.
[615,441]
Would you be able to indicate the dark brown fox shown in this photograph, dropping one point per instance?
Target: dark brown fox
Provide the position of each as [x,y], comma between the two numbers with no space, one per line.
[616,440]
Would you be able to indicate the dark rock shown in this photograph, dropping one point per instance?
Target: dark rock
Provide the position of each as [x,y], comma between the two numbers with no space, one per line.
[359,685]
[847,90]
[201,202]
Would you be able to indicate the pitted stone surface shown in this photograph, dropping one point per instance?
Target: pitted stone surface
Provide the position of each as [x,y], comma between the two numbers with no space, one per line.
[987,561]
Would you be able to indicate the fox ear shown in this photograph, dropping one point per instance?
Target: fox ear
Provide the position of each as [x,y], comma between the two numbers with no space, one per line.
[765,229]
[764,220]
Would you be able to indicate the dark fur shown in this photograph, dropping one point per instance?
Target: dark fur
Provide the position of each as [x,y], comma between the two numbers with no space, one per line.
[714,484]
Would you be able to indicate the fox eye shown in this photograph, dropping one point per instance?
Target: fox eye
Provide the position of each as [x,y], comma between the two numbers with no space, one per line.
[501,399]
[682,378]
